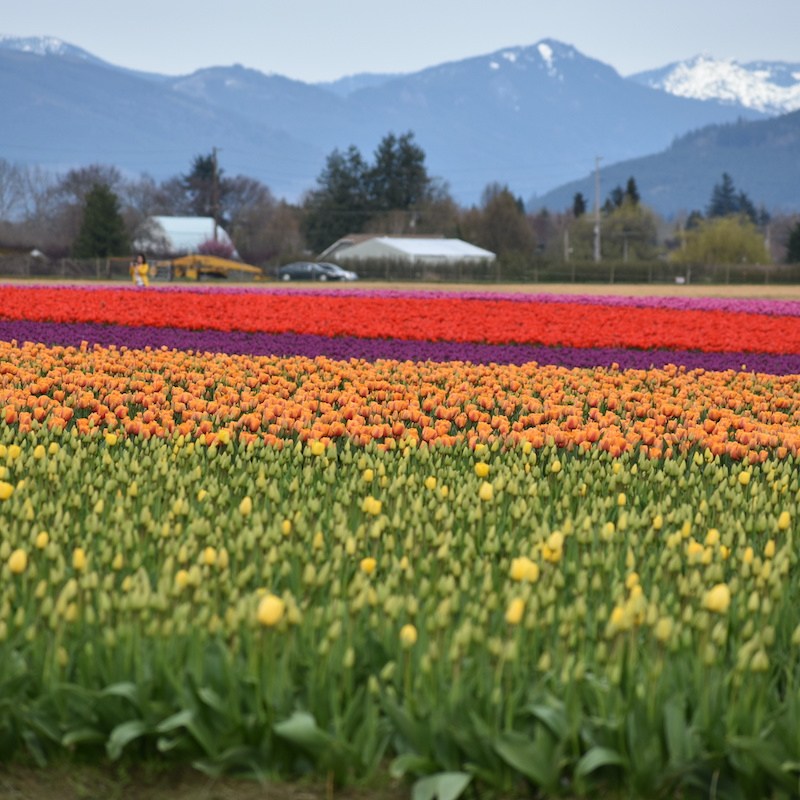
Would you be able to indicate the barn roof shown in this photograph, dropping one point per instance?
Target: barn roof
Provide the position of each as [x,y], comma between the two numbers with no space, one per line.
[186,234]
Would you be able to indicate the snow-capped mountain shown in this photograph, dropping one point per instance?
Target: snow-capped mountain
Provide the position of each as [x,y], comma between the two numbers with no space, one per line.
[530,117]
[46,46]
[772,87]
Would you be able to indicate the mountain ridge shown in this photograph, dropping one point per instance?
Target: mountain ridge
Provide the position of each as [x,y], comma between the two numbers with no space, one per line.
[531,117]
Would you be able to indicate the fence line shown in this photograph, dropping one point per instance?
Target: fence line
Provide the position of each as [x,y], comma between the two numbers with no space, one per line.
[531,271]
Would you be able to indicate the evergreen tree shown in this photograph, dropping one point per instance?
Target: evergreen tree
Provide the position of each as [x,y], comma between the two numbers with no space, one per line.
[616,198]
[578,205]
[632,191]
[102,233]
[398,178]
[694,219]
[340,204]
[205,188]
[351,193]
[793,250]
[724,201]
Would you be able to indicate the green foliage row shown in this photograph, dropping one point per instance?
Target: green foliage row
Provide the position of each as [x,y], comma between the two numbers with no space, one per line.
[521,620]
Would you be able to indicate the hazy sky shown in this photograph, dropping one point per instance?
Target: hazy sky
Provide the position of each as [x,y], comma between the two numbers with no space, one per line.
[317,40]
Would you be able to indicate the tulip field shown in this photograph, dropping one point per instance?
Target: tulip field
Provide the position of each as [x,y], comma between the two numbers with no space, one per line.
[519,545]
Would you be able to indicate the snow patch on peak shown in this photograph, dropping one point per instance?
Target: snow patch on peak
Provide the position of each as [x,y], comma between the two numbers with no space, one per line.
[753,86]
[44,46]
[510,55]
[547,55]
[40,45]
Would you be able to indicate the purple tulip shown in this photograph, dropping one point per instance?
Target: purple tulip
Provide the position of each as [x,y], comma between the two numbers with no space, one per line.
[344,348]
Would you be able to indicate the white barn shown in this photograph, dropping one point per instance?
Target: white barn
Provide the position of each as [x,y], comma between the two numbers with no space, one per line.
[172,236]
[422,250]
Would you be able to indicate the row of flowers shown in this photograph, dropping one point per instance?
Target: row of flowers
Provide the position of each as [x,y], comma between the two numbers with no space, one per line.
[442,318]
[346,347]
[492,567]
[769,306]
[219,398]
[163,598]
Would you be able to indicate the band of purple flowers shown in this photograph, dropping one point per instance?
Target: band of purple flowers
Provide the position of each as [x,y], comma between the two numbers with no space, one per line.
[289,344]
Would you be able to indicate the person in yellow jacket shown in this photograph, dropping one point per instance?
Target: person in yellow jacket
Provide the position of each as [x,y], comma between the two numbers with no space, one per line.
[140,271]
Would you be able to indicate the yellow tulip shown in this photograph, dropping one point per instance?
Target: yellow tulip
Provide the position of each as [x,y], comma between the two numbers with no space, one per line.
[555,541]
[712,537]
[408,635]
[6,490]
[270,610]
[515,610]
[18,561]
[79,559]
[663,629]
[718,598]
[481,469]
[486,491]
[523,569]
[246,506]
[368,565]
[372,505]
[744,478]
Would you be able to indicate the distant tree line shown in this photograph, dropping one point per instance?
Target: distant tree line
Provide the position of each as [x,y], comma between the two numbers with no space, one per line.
[96,212]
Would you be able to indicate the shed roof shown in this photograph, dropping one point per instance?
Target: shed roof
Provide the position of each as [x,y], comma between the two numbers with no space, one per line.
[413,247]
[451,248]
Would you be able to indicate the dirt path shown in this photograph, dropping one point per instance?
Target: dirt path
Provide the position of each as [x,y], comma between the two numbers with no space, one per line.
[158,782]
[743,291]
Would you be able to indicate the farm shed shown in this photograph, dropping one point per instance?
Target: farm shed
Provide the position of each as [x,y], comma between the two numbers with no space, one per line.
[422,250]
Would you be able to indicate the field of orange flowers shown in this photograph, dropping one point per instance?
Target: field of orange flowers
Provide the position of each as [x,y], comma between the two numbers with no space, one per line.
[520,544]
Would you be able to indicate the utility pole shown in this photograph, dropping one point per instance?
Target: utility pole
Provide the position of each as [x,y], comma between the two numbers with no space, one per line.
[214,190]
[597,209]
